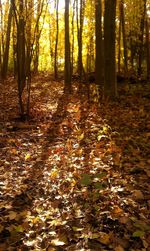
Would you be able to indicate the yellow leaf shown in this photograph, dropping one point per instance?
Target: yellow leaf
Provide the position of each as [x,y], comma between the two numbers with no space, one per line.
[28,156]
[35,220]
[73,182]
[54,174]
[77,229]
[81,136]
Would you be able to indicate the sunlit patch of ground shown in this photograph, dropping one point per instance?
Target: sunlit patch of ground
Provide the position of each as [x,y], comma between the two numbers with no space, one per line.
[76,176]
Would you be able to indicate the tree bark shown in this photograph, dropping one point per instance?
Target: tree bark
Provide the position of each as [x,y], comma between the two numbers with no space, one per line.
[6,50]
[124,36]
[99,68]
[67,69]
[110,87]
[147,47]
[56,41]
[141,38]
[80,20]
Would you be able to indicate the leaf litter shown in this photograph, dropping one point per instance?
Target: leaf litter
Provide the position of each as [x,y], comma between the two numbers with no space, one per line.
[76,175]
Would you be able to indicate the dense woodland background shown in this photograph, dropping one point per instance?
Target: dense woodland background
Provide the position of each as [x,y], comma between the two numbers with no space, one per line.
[77,38]
[74,125]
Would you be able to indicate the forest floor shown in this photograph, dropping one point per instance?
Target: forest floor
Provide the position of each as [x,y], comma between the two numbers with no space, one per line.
[76,176]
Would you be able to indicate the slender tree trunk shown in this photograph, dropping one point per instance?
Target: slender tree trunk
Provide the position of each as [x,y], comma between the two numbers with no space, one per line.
[110,87]
[141,38]
[56,41]
[72,48]
[6,50]
[132,53]
[29,52]
[20,51]
[99,55]
[147,47]
[124,36]
[36,55]
[37,33]
[67,69]
[79,32]
[119,46]
[37,37]
[14,37]
[1,36]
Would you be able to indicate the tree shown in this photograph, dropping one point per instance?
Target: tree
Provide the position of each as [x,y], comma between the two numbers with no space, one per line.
[99,54]
[20,23]
[37,34]
[67,69]
[147,47]
[122,21]
[73,37]
[80,19]
[56,41]
[110,87]
[7,45]
[141,37]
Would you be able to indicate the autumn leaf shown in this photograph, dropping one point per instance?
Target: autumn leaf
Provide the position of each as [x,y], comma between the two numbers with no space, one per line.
[104,238]
[85,180]
[12,215]
[138,233]
[19,229]
[27,156]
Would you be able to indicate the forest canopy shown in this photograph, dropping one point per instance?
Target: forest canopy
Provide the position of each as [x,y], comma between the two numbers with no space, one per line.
[41,27]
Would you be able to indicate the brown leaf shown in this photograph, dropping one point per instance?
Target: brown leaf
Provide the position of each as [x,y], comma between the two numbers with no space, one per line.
[104,238]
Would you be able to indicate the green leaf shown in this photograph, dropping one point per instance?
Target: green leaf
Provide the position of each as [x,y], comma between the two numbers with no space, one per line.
[86,180]
[100,175]
[19,229]
[138,233]
[98,185]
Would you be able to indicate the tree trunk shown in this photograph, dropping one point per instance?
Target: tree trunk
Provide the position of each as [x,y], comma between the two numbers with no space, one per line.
[124,36]
[99,55]
[73,38]
[79,34]
[1,37]
[6,50]
[110,87]
[141,38]
[147,47]
[20,51]
[67,69]
[14,47]
[56,41]
[119,46]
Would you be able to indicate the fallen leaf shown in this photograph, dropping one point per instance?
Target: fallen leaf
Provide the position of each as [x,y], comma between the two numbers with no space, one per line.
[104,238]
[27,156]
[119,248]
[12,215]
[60,241]
[138,233]
[137,195]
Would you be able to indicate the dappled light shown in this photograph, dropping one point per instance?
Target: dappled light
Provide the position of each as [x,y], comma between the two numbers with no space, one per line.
[75,176]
